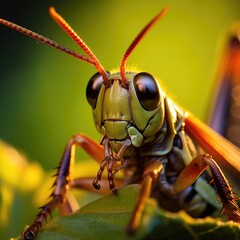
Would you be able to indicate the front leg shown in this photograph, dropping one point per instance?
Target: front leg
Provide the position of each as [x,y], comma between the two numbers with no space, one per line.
[62,179]
[151,173]
[192,171]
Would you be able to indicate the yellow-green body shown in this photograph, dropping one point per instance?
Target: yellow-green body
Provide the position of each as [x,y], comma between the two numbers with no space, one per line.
[119,115]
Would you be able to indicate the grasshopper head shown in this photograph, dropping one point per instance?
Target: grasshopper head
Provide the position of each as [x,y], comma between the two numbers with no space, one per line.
[136,112]
[127,105]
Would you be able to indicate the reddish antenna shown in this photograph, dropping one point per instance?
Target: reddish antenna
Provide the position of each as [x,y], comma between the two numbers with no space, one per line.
[45,40]
[67,28]
[136,41]
[91,59]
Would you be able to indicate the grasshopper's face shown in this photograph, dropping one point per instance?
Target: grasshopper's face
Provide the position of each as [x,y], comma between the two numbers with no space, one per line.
[135,112]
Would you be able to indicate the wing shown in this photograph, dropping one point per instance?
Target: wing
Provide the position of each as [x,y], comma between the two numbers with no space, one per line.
[224,153]
[225,118]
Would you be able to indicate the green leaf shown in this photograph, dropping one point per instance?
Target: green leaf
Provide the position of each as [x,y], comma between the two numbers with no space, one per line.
[108,217]
[105,218]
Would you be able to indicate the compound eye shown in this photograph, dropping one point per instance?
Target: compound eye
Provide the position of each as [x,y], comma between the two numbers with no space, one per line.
[93,88]
[147,90]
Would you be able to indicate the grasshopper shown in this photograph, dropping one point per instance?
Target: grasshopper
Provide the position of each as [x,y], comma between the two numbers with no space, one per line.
[148,137]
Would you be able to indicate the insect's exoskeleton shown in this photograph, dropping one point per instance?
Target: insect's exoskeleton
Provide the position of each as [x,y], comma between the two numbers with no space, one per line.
[146,135]
[120,113]
[225,117]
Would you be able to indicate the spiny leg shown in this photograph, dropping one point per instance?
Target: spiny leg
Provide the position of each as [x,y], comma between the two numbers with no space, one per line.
[150,175]
[63,177]
[192,171]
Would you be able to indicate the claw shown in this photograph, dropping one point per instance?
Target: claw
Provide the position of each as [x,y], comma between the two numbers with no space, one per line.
[31,232]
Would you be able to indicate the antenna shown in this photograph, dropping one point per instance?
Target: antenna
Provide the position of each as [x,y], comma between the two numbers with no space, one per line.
[67,28]
[91,59]
[136,41]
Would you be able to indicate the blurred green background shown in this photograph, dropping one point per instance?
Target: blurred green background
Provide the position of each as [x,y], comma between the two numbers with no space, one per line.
[42,91]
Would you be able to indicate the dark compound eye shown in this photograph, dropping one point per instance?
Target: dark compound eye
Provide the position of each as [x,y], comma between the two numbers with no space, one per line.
[147,90]
[93,88]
